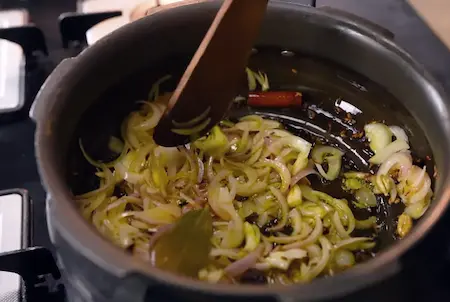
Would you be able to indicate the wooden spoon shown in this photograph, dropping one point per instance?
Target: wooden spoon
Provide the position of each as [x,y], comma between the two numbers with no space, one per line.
[211,81]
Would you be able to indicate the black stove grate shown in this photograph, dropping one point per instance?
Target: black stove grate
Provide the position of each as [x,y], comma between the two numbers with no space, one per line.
[38,270]
[29,37]
[73,26]
[32,41]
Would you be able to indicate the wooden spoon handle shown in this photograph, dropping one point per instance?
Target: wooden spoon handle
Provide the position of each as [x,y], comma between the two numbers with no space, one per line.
[214,74]
[228,53]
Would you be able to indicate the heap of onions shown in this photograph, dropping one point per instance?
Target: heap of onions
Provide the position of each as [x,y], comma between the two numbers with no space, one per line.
[253,176]
[397,177]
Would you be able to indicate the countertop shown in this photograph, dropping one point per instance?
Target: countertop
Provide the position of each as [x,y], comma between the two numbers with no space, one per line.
[436,14]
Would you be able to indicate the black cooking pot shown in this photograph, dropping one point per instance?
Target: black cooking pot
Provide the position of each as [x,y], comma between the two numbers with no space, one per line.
[324,53]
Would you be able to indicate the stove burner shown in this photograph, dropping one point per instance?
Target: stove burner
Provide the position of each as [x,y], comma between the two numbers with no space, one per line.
[73,26]
[11,233]
[11,64]
[34,264]
[19,42]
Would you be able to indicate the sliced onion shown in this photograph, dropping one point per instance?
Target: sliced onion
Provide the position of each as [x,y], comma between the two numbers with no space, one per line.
[332,156]
[262,266]
[344,259]
[99,164]
[129,133]
[366,224]
[321,153]
[229,253]
[283,154]
[415,194]
[314,251]
[235,235]
[108,185]
[209,169]
[393,193]
[342,208]
[366,197]
[219,197]
[154,216]
[254,157]
[243,188]
[302,174]
[241,266]
[115,144]
[351,243]
[246,168]
[201,170]
[296,221]
[297,143]
[154,118]
[250,124]
[389,150]
[312,238]
[268,247]
[91,204]
[379,136]
[400,160]
[416,210]
[278,133]
[420,178]
[324,259]
[190,156]
[399,133]
[334,167]
[244,143]
[121,201]
[263,80]
[420,195]
[251,79]
[338,226]
[154,92]
[284,208]
[305,231]
[126,235]
[233,186]
[133,178]
[281,169]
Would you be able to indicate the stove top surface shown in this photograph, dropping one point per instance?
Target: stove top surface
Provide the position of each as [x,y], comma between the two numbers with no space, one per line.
[17,159]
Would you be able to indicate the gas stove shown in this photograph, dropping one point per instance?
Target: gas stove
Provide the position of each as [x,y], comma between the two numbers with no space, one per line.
[30,51]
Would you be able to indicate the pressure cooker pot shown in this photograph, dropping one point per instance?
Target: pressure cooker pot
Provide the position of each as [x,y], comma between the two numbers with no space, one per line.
[329,56]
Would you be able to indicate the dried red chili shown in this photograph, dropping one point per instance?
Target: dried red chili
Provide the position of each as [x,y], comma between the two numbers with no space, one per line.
[275,99]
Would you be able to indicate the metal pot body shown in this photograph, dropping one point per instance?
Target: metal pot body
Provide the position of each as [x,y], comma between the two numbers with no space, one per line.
[99,271]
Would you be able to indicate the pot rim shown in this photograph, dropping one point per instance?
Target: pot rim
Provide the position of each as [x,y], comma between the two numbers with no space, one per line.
[102,252]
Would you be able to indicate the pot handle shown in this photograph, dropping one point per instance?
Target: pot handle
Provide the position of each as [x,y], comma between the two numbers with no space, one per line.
[137,288]
[371,25]
[344,286]
[131,284]
[49,90]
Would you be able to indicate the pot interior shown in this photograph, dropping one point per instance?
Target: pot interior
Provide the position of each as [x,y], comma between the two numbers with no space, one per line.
[337,105]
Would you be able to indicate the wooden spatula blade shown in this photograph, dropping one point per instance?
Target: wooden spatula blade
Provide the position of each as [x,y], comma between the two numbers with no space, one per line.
[212,78]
